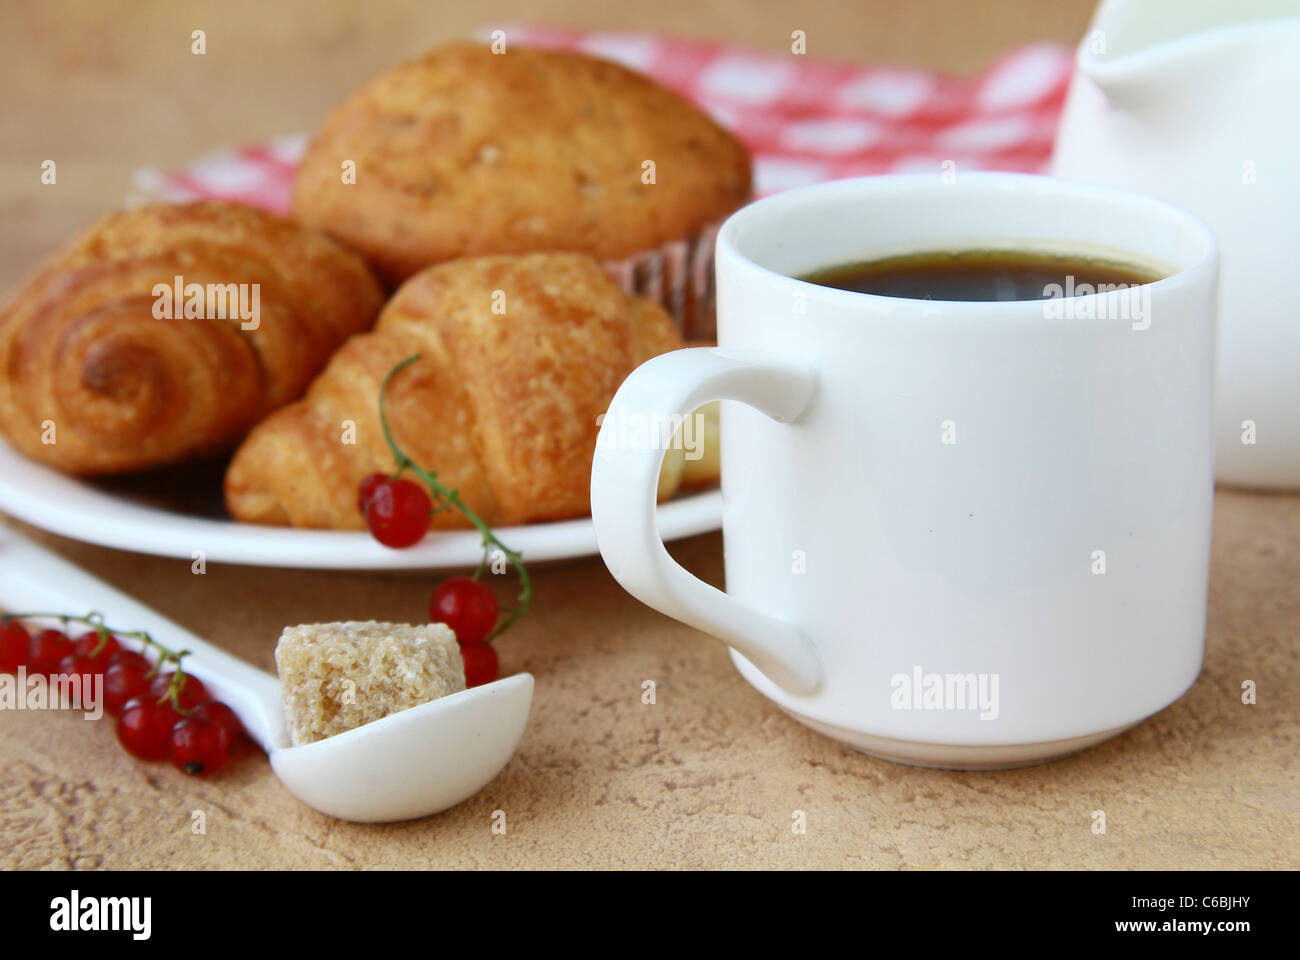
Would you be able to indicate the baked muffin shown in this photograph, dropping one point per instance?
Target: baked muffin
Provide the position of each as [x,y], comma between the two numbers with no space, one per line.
[464,152]
[163,333]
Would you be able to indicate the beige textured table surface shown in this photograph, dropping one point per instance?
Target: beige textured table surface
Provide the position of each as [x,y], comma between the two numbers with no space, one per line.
[709,775]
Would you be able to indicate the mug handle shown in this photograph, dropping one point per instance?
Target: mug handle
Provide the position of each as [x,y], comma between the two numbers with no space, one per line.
[625,479]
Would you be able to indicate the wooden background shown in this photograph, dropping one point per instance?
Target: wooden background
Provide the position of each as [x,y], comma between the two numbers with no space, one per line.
[710,775]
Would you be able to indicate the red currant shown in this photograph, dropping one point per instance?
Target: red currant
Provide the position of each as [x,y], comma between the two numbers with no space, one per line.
[467,606]
[127,676]
[76,665]
[13,646]
[217,712]
[144,727]
[198,746]
[45,650]
[481,665]
[87,644]
[367,490]
[190,695]
[398,513]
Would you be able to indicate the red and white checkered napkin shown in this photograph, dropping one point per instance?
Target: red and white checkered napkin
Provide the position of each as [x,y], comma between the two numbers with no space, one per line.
[803,120]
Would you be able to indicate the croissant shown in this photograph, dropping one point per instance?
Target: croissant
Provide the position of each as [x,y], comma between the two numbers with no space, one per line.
[519,357]
[165,333]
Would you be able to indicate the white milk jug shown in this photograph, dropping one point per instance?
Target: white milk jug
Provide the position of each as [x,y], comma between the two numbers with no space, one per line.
[1198,102]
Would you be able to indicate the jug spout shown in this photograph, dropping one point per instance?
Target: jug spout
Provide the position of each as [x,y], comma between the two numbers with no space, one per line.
[1116,77]
[1135,49]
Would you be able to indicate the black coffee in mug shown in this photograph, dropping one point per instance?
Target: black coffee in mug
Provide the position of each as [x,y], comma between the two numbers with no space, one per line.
[973,275]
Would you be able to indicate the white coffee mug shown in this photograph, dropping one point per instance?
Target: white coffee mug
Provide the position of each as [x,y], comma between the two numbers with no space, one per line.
[966,534]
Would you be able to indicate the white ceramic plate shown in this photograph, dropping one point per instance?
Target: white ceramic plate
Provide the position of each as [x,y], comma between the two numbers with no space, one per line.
[148,516]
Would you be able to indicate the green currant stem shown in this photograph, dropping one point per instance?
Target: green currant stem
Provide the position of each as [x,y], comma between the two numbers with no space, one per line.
[95,620]
[451,498]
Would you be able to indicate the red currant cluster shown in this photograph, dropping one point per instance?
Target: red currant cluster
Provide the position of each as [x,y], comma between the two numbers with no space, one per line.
[394,510]
[397,512]
[470,609]
[160,715]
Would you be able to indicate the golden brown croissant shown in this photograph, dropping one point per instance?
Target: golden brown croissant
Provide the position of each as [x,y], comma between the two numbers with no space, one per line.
[519,356]
[164,333]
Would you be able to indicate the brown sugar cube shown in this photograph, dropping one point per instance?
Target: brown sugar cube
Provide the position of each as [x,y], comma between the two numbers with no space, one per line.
[337,676]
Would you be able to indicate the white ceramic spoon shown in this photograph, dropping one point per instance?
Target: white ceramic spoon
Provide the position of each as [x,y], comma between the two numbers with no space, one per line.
[412,764]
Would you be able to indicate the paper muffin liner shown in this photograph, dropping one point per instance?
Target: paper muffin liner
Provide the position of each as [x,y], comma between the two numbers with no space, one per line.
[678,276]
